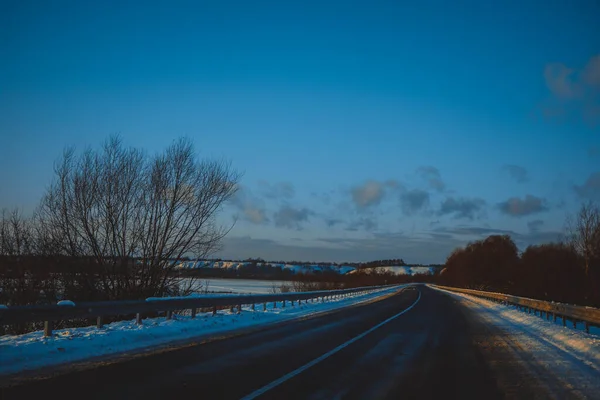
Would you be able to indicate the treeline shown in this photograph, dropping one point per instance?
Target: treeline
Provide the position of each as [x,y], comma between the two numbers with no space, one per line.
[358,278]
[382,263]
[567,271]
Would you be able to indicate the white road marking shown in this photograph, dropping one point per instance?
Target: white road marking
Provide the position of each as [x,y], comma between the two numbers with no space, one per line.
[303,368]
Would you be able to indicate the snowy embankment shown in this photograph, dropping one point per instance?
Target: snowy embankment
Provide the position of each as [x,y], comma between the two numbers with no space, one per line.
[32,350]
[545,339]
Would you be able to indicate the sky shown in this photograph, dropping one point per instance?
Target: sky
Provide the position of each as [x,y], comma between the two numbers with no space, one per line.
[364,129]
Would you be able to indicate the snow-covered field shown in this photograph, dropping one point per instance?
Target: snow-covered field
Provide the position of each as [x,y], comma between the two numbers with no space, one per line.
[302,269]
[32,350]
[403,270]
[251,286]
[570,354]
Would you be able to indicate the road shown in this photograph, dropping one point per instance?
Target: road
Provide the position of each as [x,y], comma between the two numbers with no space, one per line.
[419,343]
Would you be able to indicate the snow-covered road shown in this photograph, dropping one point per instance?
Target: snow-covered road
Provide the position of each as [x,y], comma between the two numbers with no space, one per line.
[559,362]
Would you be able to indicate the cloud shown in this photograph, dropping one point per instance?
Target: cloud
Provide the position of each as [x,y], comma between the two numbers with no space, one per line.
[433,177]
[331,222]
[413,201]
[591,72]
[461,207]
[371,192]
[474,230]
[281,190]
[517,172]
[381,246]
[290,217]
[560,80]
[590,188]
[363,224]
[517,207]
[250,208]
[575,92]
[535,225]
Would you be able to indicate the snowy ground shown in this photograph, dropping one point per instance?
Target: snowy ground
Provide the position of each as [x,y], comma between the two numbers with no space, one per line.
[250,286]
[32,351]
[569,353]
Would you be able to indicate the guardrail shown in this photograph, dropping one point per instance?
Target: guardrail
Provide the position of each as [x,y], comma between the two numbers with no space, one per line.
[66,310]
[587,315]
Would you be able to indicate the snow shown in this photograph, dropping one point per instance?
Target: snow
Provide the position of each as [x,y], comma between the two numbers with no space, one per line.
[402,270]
[303,269]
[32,350]
[545,339]
[249,286]
[67,303]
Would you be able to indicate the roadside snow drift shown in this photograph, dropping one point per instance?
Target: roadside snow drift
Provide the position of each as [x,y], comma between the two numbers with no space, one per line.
[32,350]
[566,351]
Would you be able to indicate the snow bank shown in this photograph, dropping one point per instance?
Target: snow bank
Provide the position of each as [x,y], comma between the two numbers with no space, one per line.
[32,350]
[583,346]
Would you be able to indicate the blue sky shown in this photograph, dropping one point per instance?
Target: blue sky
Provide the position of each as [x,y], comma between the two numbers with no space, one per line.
[365,130]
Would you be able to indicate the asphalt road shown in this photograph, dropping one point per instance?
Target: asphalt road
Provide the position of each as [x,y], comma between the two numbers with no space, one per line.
[419,343]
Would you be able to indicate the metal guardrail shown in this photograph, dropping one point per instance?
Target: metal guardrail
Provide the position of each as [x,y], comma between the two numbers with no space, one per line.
[99,310]
[587,315]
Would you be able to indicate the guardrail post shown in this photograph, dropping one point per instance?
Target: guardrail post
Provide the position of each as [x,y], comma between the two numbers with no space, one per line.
[265,306]
[292,303]
[214,310]
[47,328]
[553,317]
[283,304]
[169,315]
[253,307]
[99,322]
[574,324]
[138,318]
[322,299]
[231,309]
[564,320]
[193,313]
[275,304]
[239,309]
[587,327]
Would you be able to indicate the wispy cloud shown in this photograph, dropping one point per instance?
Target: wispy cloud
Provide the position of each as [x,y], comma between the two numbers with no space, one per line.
[249,207]
[535,225]
[433,177]
[575,92]
[363,224]
[290,217]
[462,207]
[517,207]
[590,189]
[412,201]
[371,193]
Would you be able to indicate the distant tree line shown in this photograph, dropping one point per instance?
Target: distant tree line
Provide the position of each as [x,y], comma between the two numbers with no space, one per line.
[567,271]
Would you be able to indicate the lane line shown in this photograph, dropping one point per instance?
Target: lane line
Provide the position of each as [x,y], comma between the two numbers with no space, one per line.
[303,368]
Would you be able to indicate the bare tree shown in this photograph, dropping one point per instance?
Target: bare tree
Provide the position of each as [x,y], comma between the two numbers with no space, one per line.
[137,216]
[584,232]
[16,237]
